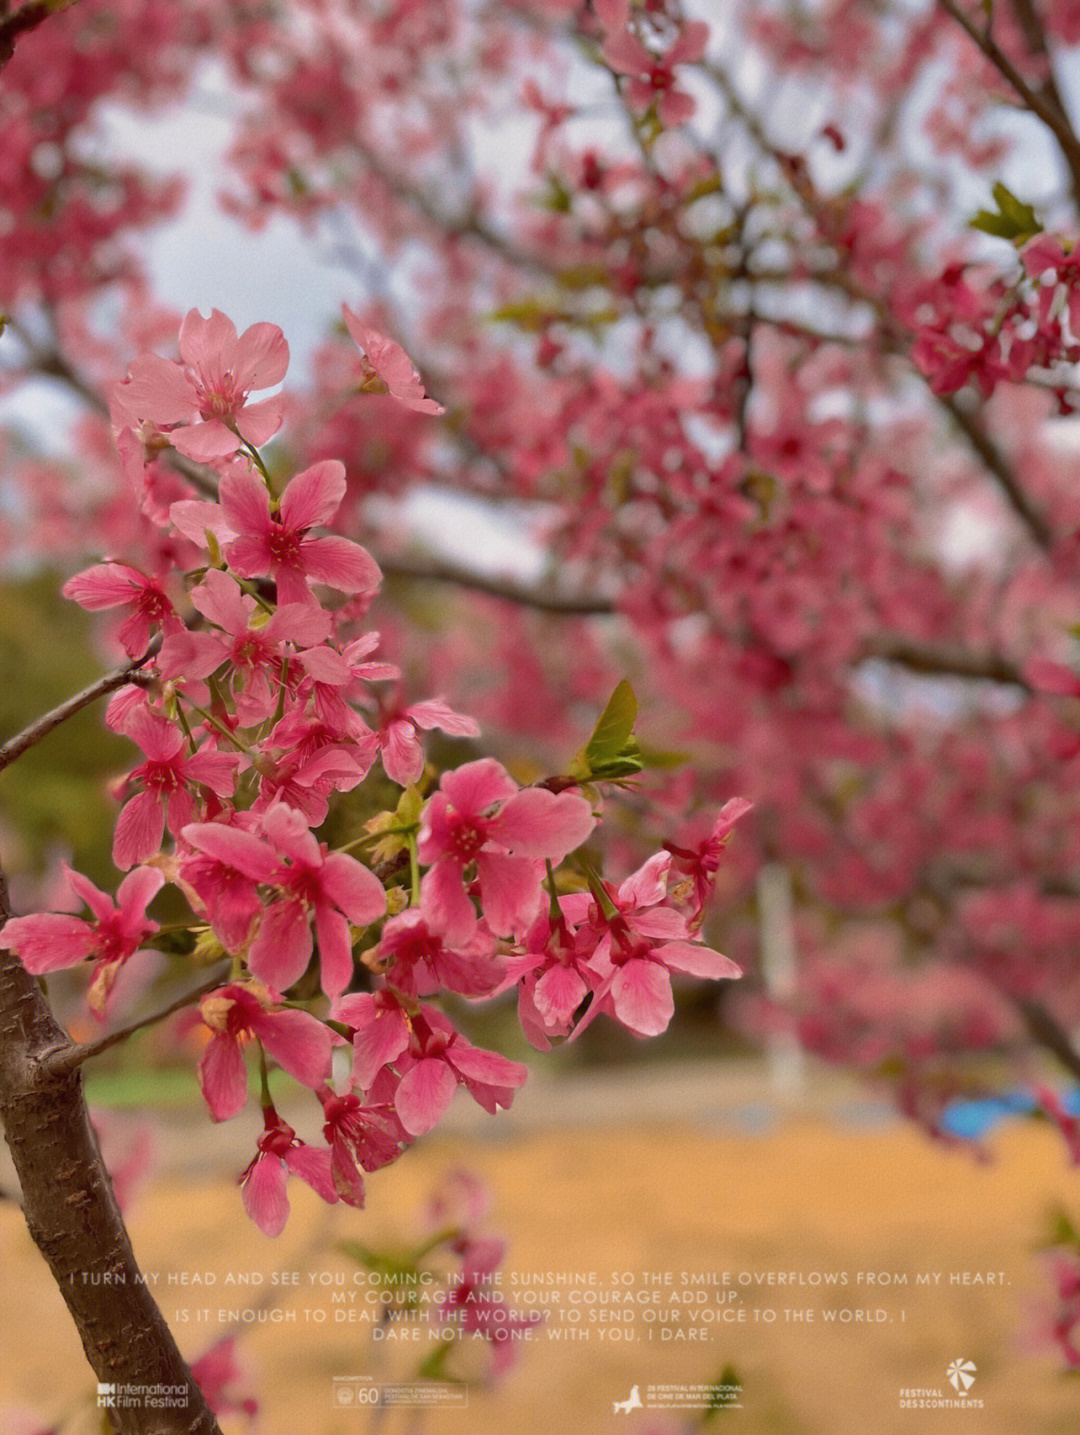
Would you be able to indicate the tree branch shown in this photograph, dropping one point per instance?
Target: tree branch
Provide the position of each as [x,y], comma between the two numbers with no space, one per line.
[28,17]
[545,600]
[72,1057]
[42,726]
[1045,105]
[945,661]
[1045,1030]
[896,337]
[74,1220]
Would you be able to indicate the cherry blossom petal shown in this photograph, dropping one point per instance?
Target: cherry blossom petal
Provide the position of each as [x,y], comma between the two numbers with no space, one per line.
[437,714]
[558,994]
[402,755]
[445,899]
[340,563]
[538,823]
[282,947]
[139,830]
[205,442]
[262,357]
[641,995]
[353,888]
[697,961]
[335,949]
[312,1164]
[233,847]
[314,496]
[510,891]
[424,1093]
[223,1077]
[47,941]
[298,1042]
[263,1195]
[476,786]
[246,504]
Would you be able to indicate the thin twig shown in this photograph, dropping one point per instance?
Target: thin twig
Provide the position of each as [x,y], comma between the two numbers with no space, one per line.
[68,1058]
[1041,105]
[28,17]
[42,726]
[945,660]
[545,600]
[1045,1030]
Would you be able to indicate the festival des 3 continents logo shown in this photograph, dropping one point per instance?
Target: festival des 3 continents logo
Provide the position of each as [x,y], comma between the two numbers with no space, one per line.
[961,1375]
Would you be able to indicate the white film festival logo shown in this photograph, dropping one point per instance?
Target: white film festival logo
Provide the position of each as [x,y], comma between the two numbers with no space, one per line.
[106,1396]
[961,1375]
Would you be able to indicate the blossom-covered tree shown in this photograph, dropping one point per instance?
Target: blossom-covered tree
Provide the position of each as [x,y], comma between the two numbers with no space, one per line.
[769,341]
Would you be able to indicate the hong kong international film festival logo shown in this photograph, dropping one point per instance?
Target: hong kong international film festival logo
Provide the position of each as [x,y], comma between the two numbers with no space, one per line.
[960,1375]
[141,1397]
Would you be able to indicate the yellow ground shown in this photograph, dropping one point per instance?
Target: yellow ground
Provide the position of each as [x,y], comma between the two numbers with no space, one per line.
[655,1202]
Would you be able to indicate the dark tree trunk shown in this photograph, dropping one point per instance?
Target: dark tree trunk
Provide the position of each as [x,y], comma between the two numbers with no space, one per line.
[73,1217]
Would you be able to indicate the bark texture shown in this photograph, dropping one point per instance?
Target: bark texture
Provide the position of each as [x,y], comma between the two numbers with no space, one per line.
[74,1219]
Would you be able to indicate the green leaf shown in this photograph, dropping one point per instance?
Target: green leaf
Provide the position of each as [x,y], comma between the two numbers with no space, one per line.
[612,751]
[717,1400]
[1014,219]
[1063,1232]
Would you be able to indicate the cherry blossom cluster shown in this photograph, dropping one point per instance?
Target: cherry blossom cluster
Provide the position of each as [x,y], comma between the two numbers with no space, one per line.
[257,704]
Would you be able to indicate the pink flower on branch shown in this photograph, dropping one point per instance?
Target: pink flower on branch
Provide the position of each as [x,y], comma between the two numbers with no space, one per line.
[166,775]
[480,816]
[311,881]
[215,1372]
[281,1154]
[201,403]
[278,544]
[402,755]
[361,1137]
[254,654]
[650,73]
[386,367]
[430,1057]
[437,1061]
[48,941]
[236,1013]
[115,585]
[225,870]
[641,942]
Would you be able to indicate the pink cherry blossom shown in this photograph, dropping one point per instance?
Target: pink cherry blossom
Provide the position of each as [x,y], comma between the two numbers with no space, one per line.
[280,1155]
[166,776]
[386,367]
[361,1137]
[254,653]
[311,881]
[638,948]
[402,755]
[479,816]
[414,953]
[202,401]
[651,74]
[477,1304]
[298,1042]
[225,870]
[380,1027]
[437,1061]
[279,545]
[215,1372]
[115,585]
[48,941]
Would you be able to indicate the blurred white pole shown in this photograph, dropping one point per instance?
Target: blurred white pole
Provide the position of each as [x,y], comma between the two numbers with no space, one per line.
[783,1054]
